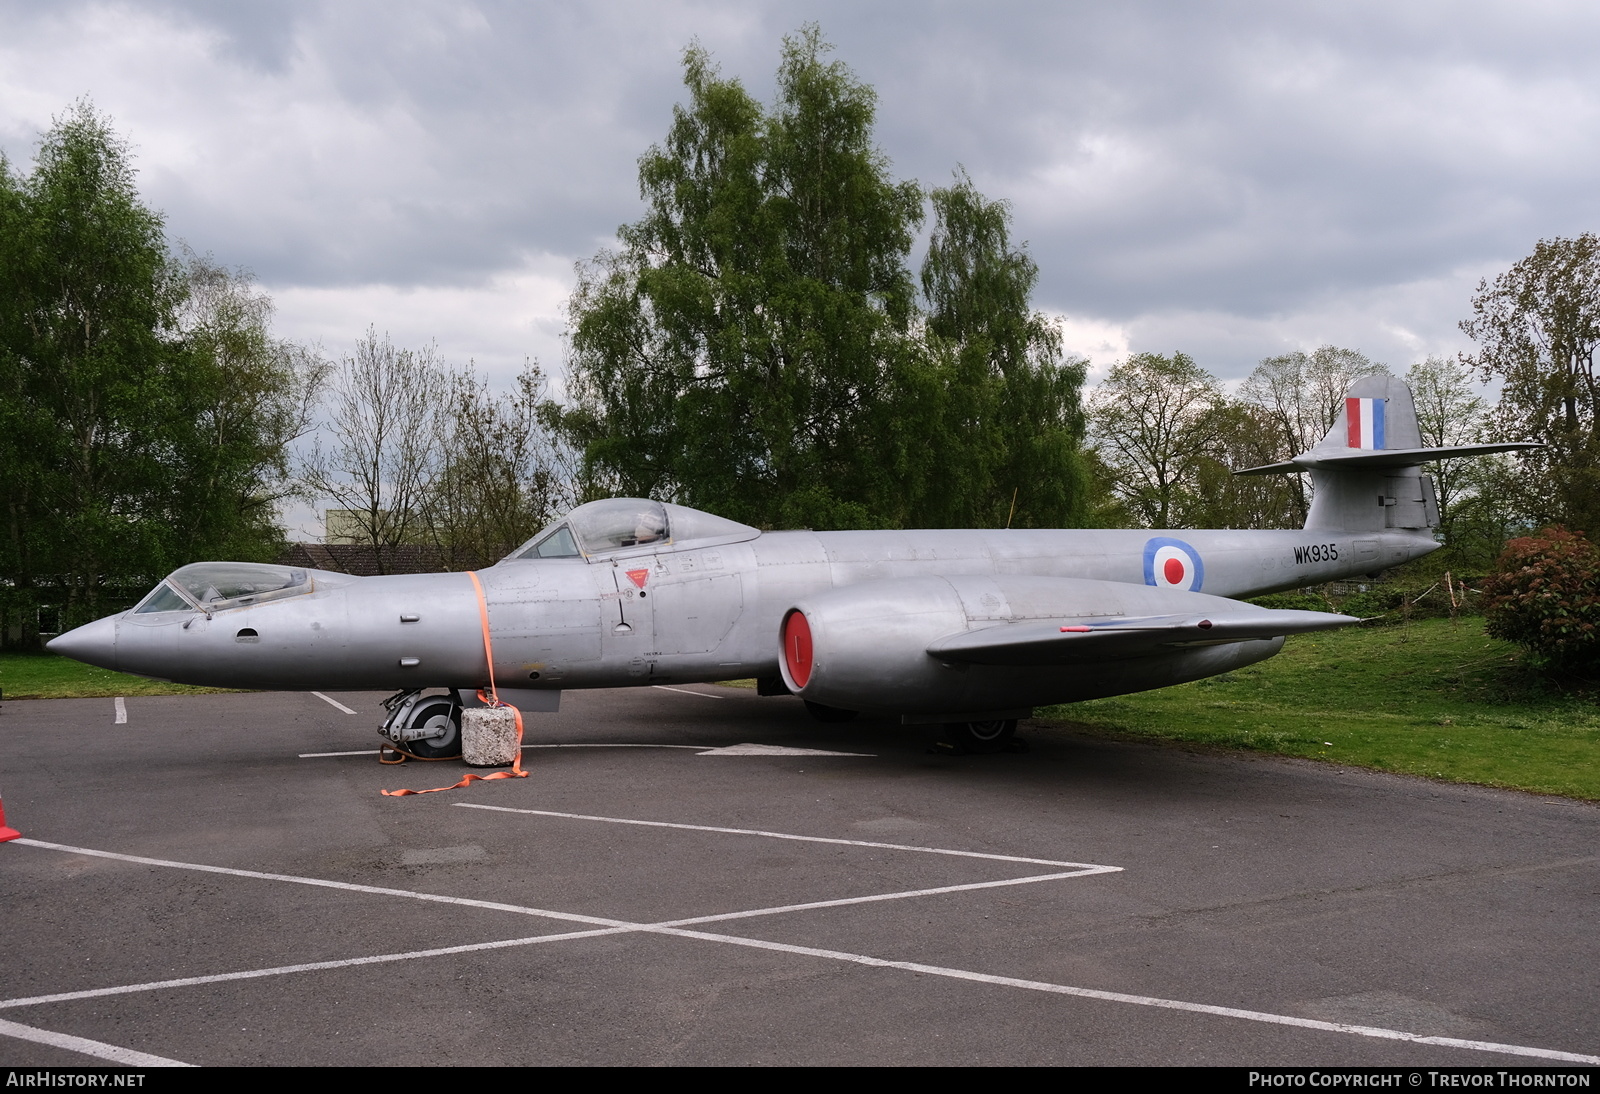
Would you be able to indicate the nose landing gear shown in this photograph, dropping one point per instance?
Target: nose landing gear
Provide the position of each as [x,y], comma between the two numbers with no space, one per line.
[423,727]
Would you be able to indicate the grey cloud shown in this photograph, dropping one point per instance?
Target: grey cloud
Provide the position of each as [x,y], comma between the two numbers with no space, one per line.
[1165,160]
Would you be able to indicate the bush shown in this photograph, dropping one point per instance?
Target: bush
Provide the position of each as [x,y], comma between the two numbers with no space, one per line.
[1299,600]
[1377,602]
[1545,596]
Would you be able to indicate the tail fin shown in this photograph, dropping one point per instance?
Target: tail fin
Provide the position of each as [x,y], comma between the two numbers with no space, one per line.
[1364,473]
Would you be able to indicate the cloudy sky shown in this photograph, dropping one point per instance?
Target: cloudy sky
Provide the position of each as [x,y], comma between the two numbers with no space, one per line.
[1229,179]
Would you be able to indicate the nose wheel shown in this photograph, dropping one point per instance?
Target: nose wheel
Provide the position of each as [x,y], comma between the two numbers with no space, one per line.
[427,727]
[439,723]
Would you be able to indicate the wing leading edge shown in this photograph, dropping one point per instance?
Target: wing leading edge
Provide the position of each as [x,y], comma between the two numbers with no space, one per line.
[1073,641]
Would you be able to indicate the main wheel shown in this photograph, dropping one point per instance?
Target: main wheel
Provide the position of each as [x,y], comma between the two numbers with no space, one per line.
[442,719]
[991,736]
[829,714]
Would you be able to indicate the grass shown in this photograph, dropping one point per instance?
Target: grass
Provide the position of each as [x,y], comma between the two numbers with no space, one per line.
[48,676]
[1429,698]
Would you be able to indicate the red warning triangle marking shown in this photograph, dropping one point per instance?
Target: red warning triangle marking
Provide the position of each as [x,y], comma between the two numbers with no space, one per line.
[639,577]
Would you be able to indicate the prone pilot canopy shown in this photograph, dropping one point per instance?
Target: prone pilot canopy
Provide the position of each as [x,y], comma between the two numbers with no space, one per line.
[621,524]
[215,586]
[605,525]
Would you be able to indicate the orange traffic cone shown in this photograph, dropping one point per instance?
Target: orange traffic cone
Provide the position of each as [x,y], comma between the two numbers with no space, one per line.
[6,833]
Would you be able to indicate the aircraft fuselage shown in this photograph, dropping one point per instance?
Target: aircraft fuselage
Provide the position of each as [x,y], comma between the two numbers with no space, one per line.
[679,613]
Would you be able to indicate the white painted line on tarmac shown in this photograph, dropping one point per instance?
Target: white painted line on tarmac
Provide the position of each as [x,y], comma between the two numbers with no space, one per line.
[1138,1000]
[332,702]
[374,752]
[1087,867]
[98,1049]
[702,750]
[616,926]
[569,917]
[686,691]
[778,750]
[310,966]
[121,710]
[877,898]
[696,748]
[676,928]
[623,927]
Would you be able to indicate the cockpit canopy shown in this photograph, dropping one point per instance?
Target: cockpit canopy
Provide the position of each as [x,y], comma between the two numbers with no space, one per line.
[622,524]
[215,586]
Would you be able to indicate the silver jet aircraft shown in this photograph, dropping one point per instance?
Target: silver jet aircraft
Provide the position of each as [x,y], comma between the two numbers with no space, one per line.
[967,628]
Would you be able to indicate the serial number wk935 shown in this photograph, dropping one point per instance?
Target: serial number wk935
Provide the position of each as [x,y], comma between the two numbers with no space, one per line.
[1316,552]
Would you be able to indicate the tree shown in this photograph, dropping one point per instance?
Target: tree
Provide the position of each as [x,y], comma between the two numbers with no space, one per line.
[1170,441]
[383,460]
[1003,443]
[247,397]
[1301,393]
[501,474]
[1240,436]
[1152,420]
[1537,327]
[122,454]
[757,346]
[1450,412]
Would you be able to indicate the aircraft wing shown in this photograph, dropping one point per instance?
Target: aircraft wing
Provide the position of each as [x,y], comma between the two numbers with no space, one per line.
[1061,642]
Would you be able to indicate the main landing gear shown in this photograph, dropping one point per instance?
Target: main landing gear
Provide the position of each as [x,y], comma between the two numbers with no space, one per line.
[829,714]
[996,735]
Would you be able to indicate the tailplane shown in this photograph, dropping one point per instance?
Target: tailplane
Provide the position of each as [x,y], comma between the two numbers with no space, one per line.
[1365,472]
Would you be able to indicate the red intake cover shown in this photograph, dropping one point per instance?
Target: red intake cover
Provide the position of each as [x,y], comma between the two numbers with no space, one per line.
[797,648]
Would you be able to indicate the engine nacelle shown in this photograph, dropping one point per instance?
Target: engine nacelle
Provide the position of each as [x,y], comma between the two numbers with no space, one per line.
[864,646]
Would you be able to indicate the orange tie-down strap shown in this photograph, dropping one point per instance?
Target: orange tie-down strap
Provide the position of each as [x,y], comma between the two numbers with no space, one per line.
[492,699]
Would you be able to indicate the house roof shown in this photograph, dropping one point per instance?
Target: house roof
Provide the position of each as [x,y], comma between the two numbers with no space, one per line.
[364,560]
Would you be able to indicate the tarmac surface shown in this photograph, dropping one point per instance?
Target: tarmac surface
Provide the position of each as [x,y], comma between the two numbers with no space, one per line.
[193,887]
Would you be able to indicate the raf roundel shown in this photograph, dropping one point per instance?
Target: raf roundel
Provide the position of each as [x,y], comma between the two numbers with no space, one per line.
[1173,564]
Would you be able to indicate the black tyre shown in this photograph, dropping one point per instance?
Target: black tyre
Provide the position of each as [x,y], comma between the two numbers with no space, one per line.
[829,714]
[443,718]
[990,736]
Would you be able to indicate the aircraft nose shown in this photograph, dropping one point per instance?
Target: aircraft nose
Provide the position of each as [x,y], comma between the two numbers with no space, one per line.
[94,643]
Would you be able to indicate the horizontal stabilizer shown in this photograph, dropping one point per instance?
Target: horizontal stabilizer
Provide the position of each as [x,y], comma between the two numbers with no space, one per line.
[1073,641]
[1368,460]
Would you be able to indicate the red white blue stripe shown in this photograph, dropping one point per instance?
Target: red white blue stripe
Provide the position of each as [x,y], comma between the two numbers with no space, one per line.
[1364,421]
